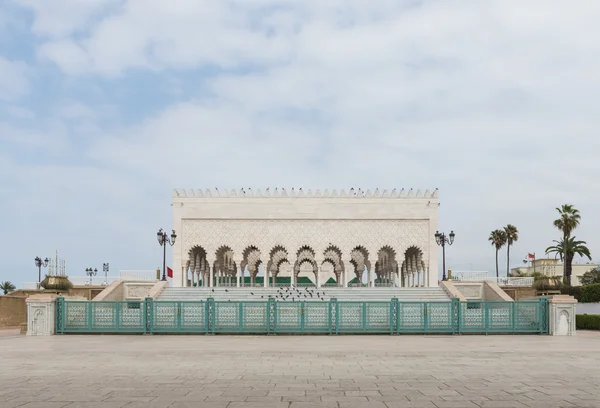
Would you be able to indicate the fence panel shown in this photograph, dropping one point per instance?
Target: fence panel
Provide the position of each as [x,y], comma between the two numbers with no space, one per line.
[351,317]
[240,317]
[300,317]
[378,317]
[412,317]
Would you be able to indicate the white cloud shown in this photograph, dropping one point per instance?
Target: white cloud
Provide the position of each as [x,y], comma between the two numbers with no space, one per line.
[493,102]
[59,18]
[14,83]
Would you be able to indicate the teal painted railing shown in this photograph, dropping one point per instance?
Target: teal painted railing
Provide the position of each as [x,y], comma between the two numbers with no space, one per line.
[272,317]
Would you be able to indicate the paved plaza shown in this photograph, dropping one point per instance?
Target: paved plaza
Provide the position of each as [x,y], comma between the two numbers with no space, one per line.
[294,372]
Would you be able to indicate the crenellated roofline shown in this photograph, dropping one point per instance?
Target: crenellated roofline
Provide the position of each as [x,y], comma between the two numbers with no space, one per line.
[282,192]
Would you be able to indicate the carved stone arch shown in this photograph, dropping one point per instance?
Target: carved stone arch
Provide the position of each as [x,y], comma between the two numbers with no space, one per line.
[305,249]
[225,267]
[251,259]
[359,256]
[278,255]
[386,265]
[197,265]
[413,272]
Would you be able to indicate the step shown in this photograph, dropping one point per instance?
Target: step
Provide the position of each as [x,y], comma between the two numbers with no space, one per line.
[383,294]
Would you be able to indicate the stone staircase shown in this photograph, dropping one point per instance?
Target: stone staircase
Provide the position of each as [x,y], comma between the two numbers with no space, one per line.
[301,294]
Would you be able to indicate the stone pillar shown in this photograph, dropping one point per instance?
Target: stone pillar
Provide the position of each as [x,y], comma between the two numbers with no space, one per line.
[211,278]
[266,278]
[562,311]
[40,314]
[318,277]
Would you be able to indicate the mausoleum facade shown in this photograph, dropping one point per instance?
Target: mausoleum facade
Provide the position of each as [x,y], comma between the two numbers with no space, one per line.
[332,238]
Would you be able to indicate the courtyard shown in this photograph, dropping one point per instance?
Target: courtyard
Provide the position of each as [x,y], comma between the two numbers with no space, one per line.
[299,371]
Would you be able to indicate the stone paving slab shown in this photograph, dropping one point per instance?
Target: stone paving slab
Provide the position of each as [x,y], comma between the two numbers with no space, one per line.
[300,372]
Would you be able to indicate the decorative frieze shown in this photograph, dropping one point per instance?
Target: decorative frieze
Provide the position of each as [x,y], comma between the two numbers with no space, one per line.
[302,193]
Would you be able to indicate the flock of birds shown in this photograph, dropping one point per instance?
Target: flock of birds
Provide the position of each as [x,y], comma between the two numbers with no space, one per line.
[292,294]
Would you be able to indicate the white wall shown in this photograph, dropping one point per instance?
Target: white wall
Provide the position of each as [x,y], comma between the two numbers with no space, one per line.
[588,308]
[372,221]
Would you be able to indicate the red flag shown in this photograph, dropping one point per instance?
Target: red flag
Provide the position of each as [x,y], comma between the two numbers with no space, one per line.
[531,256]
[169,272]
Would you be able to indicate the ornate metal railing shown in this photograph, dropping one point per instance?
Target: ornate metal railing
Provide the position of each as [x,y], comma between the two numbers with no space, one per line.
[271,317]
[502,281]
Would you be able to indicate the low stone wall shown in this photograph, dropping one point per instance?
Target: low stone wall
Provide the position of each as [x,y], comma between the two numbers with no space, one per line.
[13,311]
[123,290]
[588,308]
[88,292]
[519,292]
[452,291]
[113,292]
[493,292]
[470,290]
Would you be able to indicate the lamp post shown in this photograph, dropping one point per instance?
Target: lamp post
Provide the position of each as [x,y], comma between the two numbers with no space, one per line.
[39,263]
[105,270]
[442,240]
[163,240]
[91,273]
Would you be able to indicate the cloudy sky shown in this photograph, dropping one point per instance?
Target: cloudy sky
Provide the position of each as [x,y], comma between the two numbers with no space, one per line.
[106,105]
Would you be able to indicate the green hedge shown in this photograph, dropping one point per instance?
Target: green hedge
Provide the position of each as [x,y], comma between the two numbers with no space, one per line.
[588,322]
[583,294]
[590,293]
[574,291]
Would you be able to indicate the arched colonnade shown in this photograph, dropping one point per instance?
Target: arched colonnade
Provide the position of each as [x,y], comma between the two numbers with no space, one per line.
[305,267]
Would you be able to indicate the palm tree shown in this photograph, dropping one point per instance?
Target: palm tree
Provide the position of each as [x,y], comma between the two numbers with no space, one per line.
[568,221]
[498,240]
[512,236]
[7,287]
[567,249]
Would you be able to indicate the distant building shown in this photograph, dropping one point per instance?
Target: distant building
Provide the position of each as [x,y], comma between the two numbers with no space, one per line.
[553,267]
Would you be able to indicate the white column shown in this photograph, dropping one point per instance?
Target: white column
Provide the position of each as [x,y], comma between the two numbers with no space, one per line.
[318,277]
[266,277]
[211,281]
[372,275]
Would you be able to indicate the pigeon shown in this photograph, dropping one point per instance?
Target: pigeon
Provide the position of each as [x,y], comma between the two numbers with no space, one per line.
[261,297]
[226,290]
[252,293]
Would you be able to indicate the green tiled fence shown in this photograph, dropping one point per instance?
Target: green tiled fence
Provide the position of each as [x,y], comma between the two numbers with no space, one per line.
[271,317]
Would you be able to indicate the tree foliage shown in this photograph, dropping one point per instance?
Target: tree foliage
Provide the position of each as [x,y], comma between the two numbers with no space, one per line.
[590,277]
[569,219]
[498,240]
[512,236]
[7,287]
[566,250]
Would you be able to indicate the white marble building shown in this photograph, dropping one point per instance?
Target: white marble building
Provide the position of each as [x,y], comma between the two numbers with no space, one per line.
[373,237]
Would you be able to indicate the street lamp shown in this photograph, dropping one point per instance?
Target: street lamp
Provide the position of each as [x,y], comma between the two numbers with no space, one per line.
[39,263]
[105,269]
[163,240]
[91,273]
[442,240]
